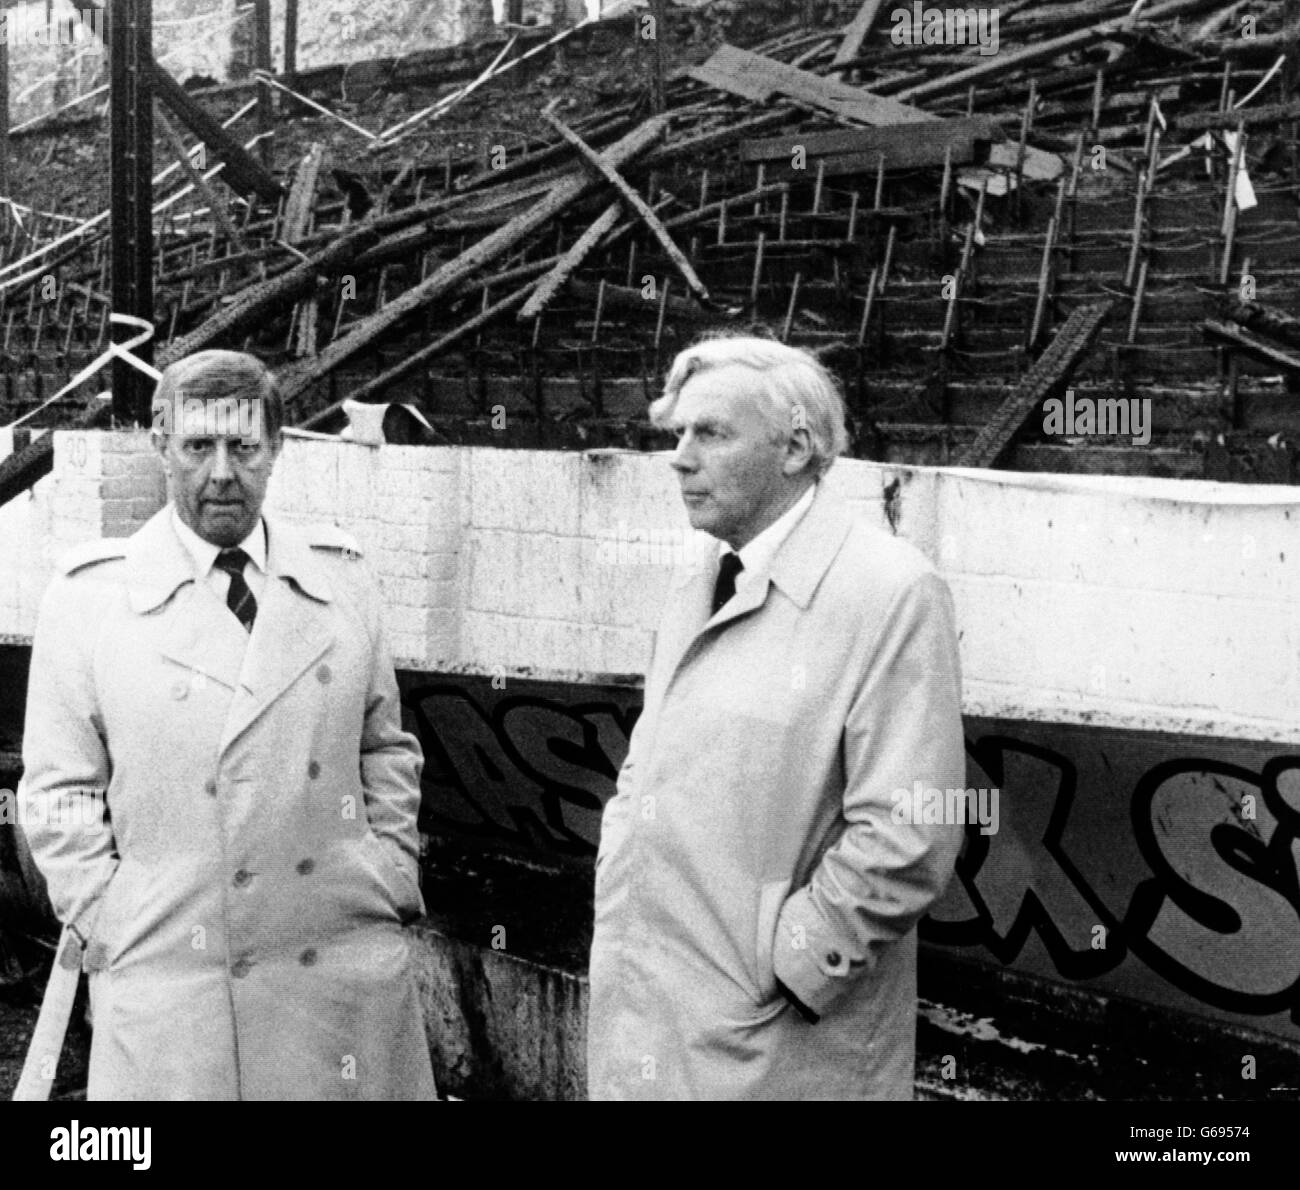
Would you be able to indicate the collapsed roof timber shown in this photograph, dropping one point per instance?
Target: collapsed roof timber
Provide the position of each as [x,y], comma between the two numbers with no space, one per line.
[1107,203]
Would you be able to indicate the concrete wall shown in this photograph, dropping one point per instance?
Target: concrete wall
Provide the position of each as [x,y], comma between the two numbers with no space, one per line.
[1144,604]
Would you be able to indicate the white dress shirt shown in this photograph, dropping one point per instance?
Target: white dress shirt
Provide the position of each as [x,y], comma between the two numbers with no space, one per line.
[205,554]
[757,556]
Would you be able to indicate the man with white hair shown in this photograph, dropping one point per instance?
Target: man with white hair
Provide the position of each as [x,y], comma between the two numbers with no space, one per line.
[757,891]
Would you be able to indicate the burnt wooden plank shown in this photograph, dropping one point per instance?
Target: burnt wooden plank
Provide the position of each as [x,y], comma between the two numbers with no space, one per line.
[1232,335]
[633,201]
[903,146]
[865,140]
[1268,320]
[856,33]
[1050,370]
[452,273]
[757,79]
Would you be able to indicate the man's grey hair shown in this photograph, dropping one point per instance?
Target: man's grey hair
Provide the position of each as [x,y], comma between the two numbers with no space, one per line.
[798,388]
[217,375]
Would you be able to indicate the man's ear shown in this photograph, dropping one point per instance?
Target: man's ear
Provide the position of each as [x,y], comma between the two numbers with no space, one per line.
[160,445]
[798,452]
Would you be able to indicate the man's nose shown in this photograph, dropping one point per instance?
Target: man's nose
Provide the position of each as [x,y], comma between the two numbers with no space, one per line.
[222,471]
[683,458]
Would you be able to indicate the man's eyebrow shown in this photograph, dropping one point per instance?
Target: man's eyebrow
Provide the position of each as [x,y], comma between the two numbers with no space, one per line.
[705,421]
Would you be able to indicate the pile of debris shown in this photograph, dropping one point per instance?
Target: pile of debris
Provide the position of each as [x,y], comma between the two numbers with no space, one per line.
[1108,202]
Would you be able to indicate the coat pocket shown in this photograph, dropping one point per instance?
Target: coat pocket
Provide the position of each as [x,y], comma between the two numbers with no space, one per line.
[770,899]
[403,891]
[103,940]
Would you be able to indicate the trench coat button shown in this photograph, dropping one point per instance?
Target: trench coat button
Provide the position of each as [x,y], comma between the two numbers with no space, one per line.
[242,877]
[313,769]
[180,689]
[241,968]
[308,957]
[306,867]
[323,674]
[210,788]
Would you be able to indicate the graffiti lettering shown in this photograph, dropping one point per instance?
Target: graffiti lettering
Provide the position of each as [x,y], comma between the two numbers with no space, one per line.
[1221,916]
[1021,880]
[1188,870]
[530,771]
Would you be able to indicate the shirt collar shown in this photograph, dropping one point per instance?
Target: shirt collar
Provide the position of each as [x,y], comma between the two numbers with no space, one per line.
[757,555]
[205,553]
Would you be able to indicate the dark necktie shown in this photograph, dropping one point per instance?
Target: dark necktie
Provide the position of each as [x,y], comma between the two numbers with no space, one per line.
[725,587]
[239,598]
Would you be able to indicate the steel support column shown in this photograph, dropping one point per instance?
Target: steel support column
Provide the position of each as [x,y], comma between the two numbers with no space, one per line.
[130,42]
[262,61]
[4,124]
[291,42]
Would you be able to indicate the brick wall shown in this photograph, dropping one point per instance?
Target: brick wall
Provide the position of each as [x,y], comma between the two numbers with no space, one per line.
[1141,603]
[103,485]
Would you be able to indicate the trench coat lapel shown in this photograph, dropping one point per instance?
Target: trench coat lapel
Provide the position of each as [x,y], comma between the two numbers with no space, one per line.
[806,555]
[798,569]
[293,630]
[193,628]
[690,594]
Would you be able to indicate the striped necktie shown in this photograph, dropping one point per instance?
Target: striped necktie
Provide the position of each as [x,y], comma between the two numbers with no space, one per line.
[725,587]
[239,598]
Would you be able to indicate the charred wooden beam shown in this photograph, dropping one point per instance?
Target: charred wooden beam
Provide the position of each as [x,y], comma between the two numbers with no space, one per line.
[1050,371]
[621,297]
[758,79]
[298,379]
[414,362]
[1234,337]
[856,34]
[572,259]
[637,204]
[242,172]
[1267,320]
[262,299]
[857,150]
[200,183]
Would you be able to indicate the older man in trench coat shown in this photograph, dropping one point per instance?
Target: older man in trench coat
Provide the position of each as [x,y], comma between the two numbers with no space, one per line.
[228,796]
[757,888]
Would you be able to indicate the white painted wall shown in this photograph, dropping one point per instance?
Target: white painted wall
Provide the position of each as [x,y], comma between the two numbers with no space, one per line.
[1141,603]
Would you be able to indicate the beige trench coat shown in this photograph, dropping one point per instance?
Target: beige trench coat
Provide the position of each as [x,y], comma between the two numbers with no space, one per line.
[753,834]
[243,899]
